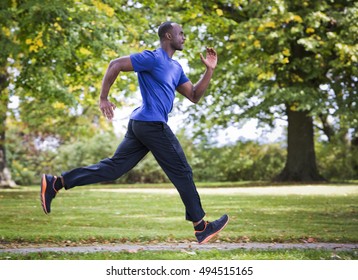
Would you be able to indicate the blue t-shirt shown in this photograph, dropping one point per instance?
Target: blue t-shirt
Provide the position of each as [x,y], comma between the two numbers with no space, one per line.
[158,77]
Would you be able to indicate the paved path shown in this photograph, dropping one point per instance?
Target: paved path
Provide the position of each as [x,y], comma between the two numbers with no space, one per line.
[189,247]
[268,190]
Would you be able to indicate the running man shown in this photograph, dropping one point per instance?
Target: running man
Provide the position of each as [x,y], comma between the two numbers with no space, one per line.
[159,76]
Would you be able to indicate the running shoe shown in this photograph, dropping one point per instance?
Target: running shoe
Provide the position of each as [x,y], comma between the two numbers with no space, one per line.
[48,192]
[211,229]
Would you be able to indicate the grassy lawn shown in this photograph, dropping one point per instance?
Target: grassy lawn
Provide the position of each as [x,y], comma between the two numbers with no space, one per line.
[82,216]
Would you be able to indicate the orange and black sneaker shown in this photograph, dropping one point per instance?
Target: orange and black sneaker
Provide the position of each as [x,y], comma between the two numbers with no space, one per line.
[48,191]
[211,229]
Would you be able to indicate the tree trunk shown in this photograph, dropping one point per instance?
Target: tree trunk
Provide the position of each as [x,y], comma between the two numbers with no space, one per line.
[5,176]
[354,150]
[301,158]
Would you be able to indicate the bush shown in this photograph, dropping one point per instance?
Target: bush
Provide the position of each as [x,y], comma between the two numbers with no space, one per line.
[85,152]
[239,162]
[242,161]
[27,160]
[337,161]
[147,171]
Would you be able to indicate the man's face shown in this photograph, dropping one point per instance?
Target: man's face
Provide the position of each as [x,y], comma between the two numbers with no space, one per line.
[178,37]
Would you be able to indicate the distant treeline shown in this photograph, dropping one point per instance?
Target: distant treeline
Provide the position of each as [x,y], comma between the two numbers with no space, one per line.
[240,161]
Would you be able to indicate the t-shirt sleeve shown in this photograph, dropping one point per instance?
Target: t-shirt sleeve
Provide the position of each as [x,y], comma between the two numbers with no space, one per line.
[143,61]
[183,78]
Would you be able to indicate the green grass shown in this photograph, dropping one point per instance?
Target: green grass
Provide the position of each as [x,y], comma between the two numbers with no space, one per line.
[82,216]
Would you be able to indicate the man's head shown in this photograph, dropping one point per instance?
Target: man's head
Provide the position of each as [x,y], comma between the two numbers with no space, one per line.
[171,33]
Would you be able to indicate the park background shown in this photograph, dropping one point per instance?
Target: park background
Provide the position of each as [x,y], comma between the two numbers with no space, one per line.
[292,61]
[286,66]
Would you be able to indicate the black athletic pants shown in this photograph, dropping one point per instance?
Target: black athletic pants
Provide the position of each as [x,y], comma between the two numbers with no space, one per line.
[141,138]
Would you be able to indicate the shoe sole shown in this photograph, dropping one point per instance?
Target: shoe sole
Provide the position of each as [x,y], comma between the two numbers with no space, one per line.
[215,233]
[43,192]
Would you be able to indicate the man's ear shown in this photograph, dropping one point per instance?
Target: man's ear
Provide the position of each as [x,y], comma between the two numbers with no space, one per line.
[168,36]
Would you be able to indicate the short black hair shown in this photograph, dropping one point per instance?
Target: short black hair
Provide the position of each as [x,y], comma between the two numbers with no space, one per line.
[164,28]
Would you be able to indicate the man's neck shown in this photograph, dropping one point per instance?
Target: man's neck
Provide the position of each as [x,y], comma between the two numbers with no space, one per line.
[167,48]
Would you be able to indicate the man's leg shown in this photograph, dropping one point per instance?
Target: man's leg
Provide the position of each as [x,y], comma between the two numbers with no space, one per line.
[167,150]
[127,155]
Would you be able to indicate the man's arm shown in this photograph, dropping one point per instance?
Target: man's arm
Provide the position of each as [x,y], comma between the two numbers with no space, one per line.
[115,66]
[195,92]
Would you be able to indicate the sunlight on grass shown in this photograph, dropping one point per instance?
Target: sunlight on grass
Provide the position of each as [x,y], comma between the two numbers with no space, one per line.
[81,215]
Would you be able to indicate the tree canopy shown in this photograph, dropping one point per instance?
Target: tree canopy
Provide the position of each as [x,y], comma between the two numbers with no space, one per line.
[283,59]
[299,53]
[295,60]
[54,54]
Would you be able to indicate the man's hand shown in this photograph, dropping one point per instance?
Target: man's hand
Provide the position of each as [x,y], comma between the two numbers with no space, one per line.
[107,108]
[211,58]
